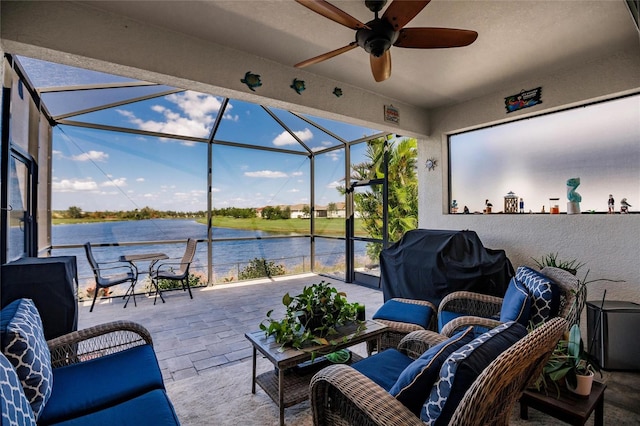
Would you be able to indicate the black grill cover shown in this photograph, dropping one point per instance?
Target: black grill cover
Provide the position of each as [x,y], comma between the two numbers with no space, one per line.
[428,264]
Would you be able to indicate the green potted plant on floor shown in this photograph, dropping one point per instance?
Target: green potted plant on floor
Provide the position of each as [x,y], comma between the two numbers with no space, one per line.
[312,316]
[570,363]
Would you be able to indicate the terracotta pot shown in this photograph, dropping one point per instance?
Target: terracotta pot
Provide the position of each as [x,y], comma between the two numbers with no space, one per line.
[583,386]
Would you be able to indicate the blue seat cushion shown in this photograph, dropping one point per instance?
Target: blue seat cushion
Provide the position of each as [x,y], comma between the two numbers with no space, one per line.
[151,408]
[14,406]
[544,292]
[24,345]
[411,313]
[516,304]
[447,316]
[89,386]
[384,368]
[462,368]
[414,384]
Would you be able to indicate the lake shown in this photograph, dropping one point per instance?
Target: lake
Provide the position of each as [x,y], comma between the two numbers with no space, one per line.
[229,257]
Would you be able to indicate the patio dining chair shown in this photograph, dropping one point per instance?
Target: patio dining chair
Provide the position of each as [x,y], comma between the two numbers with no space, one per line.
[109,274]
[174,269]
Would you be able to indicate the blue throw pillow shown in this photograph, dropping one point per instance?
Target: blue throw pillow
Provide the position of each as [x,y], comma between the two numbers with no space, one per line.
[462,368]
[14,407]
[411,313]
[24,345]
[414,384]
[544,292]
[516,304]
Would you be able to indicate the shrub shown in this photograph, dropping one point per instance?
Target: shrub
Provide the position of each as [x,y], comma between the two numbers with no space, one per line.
[260,267]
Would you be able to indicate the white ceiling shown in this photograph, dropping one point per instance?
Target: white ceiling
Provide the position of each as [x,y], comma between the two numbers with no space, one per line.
[517,40]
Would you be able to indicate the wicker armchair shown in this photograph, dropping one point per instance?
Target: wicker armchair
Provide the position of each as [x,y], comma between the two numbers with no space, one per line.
[97,341]
[342,396]
[482,310]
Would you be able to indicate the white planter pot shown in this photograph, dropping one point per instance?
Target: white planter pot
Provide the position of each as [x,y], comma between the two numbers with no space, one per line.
[583,386]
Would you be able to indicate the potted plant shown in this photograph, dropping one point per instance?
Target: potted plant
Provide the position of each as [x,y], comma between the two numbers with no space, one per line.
[312,316]
[570,363]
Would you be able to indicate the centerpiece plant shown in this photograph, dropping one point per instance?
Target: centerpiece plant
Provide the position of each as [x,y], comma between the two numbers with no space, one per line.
[312,317]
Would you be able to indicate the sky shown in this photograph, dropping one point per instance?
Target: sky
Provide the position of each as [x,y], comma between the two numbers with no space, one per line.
[99,170]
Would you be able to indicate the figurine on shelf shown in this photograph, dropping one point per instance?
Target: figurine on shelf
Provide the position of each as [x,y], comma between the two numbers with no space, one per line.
[454,206]
[611,204]
[573,206]
[488,206]
[466,210]
[521,205]
[624,206]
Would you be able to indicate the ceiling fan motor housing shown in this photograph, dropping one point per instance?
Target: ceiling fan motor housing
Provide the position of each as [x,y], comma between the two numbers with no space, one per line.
[377,38]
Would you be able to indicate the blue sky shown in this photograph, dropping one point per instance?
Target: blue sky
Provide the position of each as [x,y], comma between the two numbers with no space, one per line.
[105,170]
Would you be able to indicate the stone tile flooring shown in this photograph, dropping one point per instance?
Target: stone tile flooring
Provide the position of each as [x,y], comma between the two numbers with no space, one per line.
[193,337]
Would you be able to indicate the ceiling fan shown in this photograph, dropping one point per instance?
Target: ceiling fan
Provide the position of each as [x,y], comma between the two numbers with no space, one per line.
[378,35]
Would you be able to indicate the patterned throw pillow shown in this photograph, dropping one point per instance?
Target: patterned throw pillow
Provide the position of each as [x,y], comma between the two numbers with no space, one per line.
[414,384]
[25,347]
[462,368]
[544,292]
[14,406]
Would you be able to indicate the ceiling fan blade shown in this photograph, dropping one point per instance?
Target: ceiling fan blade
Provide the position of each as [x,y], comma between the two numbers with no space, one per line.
[400,12]
[329,11]
[381,66]
[327,55]
[434,38]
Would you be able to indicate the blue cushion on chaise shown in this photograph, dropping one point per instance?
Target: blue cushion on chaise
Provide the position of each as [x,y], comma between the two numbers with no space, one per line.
[79,389]
[151,408]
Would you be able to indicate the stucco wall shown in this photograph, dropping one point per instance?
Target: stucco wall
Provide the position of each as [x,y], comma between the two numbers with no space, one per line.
[607,244]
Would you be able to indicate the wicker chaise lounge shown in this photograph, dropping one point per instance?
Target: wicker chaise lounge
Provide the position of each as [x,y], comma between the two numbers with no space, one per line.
[341,395]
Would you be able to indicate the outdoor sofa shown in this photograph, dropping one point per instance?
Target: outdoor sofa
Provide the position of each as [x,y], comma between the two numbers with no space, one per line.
[103,375]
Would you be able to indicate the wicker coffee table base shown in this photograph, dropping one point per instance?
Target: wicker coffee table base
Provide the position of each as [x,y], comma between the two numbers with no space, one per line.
[295,383]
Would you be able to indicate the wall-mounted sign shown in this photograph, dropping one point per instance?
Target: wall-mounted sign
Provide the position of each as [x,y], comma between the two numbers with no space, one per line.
[391,114]
[524,99]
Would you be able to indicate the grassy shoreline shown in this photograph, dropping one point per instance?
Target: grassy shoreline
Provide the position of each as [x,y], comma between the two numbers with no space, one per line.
[324,226]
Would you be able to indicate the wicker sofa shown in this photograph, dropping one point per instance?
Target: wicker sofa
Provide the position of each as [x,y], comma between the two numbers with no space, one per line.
[103,375]
[342,395]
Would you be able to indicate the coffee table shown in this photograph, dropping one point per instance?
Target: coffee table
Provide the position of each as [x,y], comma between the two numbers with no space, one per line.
[568,407]
[288,383]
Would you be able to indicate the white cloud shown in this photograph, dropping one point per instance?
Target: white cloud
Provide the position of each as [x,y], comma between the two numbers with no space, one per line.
[140,180]
[334,184]
[297,174]
[285,137]
[195,115]
[294,190]
[269,174]
[74,185]
[91,156]
[214,189]
[115,182]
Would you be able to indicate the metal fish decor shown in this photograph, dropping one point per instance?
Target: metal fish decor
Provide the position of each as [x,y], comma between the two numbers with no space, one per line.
[298,86]
[337,91]
[251,80]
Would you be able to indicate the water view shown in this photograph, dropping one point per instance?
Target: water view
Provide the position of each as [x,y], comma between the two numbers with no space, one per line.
[230,258]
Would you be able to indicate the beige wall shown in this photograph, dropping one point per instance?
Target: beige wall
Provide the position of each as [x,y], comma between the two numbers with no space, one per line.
[609,245]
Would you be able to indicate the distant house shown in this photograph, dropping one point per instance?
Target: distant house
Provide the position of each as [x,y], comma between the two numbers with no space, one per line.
[298,211]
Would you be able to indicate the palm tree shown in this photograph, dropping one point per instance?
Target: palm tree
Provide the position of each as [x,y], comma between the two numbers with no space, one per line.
[403,190]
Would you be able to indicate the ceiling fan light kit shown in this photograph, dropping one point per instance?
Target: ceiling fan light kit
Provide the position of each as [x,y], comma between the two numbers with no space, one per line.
[378,35]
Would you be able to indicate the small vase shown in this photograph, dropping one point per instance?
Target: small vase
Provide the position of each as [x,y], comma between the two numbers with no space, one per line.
[583,385]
